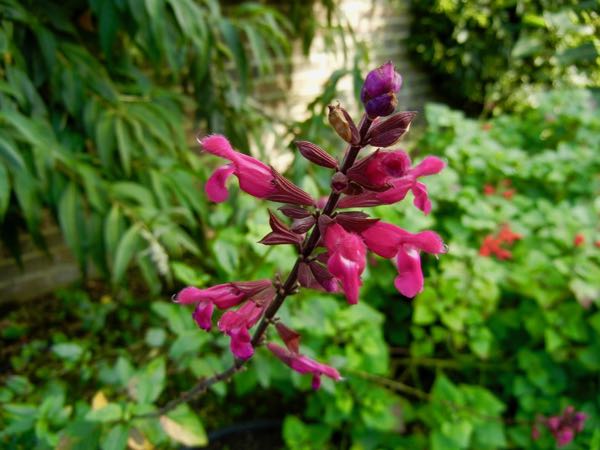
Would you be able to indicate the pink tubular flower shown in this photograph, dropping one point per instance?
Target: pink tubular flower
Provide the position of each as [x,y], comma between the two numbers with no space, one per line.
[389,241]
[347,259]
[399,187]
[255,177]
[236,325]
[222,296]
[303,364]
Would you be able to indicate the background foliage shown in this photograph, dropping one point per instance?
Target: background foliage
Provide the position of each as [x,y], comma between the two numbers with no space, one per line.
[98,136]
[491,55]
[98,105]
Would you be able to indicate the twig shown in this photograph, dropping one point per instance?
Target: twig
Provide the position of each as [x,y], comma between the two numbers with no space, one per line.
[287,289]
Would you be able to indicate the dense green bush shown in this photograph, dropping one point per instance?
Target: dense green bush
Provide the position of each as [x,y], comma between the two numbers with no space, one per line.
[469,364]
[99,101]
[491,55]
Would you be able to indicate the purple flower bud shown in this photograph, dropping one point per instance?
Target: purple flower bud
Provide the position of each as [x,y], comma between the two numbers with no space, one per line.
[378,93]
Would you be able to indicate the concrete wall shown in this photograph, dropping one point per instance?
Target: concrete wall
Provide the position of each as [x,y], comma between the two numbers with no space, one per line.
[382,24]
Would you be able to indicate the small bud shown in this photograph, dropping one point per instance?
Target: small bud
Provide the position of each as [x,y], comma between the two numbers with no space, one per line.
[294,212]
[287,192]
[281,234]
[290,337]
[303,225]
[378,93]
[339,182]
[316,154]
[385,133]
[343,124]
[355,221]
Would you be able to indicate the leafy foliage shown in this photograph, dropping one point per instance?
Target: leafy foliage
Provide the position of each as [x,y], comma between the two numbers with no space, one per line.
[492,55]
[97,101]
[468,364]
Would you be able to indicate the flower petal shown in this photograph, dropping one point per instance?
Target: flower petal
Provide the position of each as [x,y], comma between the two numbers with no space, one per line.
[421,200]
[241,345]
[429,166]
[202,315]
[215,188]
[409,281]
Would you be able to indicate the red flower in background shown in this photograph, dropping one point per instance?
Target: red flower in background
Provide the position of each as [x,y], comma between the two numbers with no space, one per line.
[579,240]
[488,189]
[492,245]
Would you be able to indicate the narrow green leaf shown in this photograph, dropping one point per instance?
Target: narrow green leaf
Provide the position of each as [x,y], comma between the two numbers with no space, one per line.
[114,226]
[4,190]
[105,138]
[124,144]
[71,220]
[129,244]
[130,191]
[10,153]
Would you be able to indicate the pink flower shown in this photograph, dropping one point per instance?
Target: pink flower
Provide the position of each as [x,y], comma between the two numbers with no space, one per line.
[236,325]
[222,296]
[347,259]
[255,177]
[389,241]
[303,364]
[399,187]
[563,427]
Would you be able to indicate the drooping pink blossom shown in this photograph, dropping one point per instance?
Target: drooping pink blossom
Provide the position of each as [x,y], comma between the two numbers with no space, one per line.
[236,324]
[390,241]
[304,365]
[255,177]
[222,296]
[399,188]
[347,259]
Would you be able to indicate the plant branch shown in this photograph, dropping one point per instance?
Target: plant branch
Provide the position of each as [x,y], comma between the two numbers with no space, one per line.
[287,289]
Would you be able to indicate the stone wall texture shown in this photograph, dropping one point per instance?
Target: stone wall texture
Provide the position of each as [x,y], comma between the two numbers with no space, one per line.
[382,24]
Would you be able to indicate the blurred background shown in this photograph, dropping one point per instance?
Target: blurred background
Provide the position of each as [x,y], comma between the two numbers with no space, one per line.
[103,217]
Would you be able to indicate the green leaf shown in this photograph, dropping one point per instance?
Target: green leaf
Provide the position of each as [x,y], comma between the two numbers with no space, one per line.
[176,316]
[109,413]
[114,226]
[130,191]
[71,220]
[125,144]
[150,381]
[68,351]
[105,138]
[11,154]
[129,244]
[155,337]
[116,439]
[4,191]
[108,20]
[183,426]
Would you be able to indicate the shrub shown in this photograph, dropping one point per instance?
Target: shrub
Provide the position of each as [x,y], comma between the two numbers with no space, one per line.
[491,55]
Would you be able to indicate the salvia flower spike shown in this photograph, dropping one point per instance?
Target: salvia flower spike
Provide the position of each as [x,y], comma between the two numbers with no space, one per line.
[332,245]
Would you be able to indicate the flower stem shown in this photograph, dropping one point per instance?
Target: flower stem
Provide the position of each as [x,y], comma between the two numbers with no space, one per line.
[288,287]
